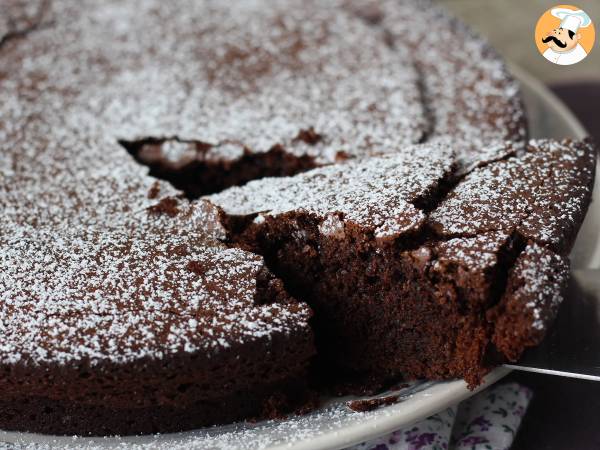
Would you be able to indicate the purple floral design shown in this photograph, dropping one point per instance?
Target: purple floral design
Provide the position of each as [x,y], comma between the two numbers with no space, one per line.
[430,434]
[420,441]
[519,411]
[482,423]
[381,447]
[487,421]
[491,418]
[473,440]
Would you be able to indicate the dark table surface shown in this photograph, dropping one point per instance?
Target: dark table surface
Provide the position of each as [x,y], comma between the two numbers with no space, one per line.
[564,413]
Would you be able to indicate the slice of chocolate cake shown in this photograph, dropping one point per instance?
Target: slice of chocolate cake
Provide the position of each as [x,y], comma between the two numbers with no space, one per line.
[149,326]
[406,282]
[542,195]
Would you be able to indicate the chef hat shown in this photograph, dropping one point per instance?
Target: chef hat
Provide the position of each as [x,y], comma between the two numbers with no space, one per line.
[571,20]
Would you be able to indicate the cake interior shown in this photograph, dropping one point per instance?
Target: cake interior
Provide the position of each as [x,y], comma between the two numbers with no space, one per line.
[380,311]
[198,169]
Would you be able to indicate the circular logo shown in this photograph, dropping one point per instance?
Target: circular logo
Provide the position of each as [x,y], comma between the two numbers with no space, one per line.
[565,35]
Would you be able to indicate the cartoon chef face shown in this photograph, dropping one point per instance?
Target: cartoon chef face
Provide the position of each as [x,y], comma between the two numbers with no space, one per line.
[561,39]
[564,40]
[566,37]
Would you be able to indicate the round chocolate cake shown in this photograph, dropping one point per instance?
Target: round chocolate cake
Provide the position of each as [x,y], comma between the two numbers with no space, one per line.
[211,210]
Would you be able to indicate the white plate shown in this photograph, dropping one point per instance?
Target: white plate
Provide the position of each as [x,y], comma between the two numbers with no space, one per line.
[334,426]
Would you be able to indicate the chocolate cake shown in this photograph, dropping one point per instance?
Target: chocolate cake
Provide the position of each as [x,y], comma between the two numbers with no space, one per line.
[303,86]
[151,325]
[405,262]
[336,246]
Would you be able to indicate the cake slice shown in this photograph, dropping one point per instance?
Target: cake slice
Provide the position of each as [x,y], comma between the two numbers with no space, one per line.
[412,269]
[152,325]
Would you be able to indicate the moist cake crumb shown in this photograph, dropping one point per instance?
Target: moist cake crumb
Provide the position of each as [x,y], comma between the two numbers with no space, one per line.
[371,404]
[400,289]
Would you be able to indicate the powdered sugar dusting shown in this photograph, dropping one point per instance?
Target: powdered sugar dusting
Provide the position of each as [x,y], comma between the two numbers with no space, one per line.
[542,194]
[540,277]
[127,292]
[476,253]
[88,274]
[19,17]
[377,193]
[256,73]
[468,92]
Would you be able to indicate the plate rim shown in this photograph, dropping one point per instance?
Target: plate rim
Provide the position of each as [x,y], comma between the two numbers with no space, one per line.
[541,90]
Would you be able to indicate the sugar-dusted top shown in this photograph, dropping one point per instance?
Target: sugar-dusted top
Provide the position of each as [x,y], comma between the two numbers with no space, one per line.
[156,286]
[255,74]
[468,92]
[75,78]
[20,16]
[242,77]
[542,194]
[383,194]
[75,235]
[478,253]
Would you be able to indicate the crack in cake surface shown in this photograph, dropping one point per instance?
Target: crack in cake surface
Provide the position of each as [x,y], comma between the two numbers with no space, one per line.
[474,110]
[19,19]
[198,168]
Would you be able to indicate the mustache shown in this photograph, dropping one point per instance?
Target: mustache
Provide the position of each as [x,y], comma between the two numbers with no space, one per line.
[555,40]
